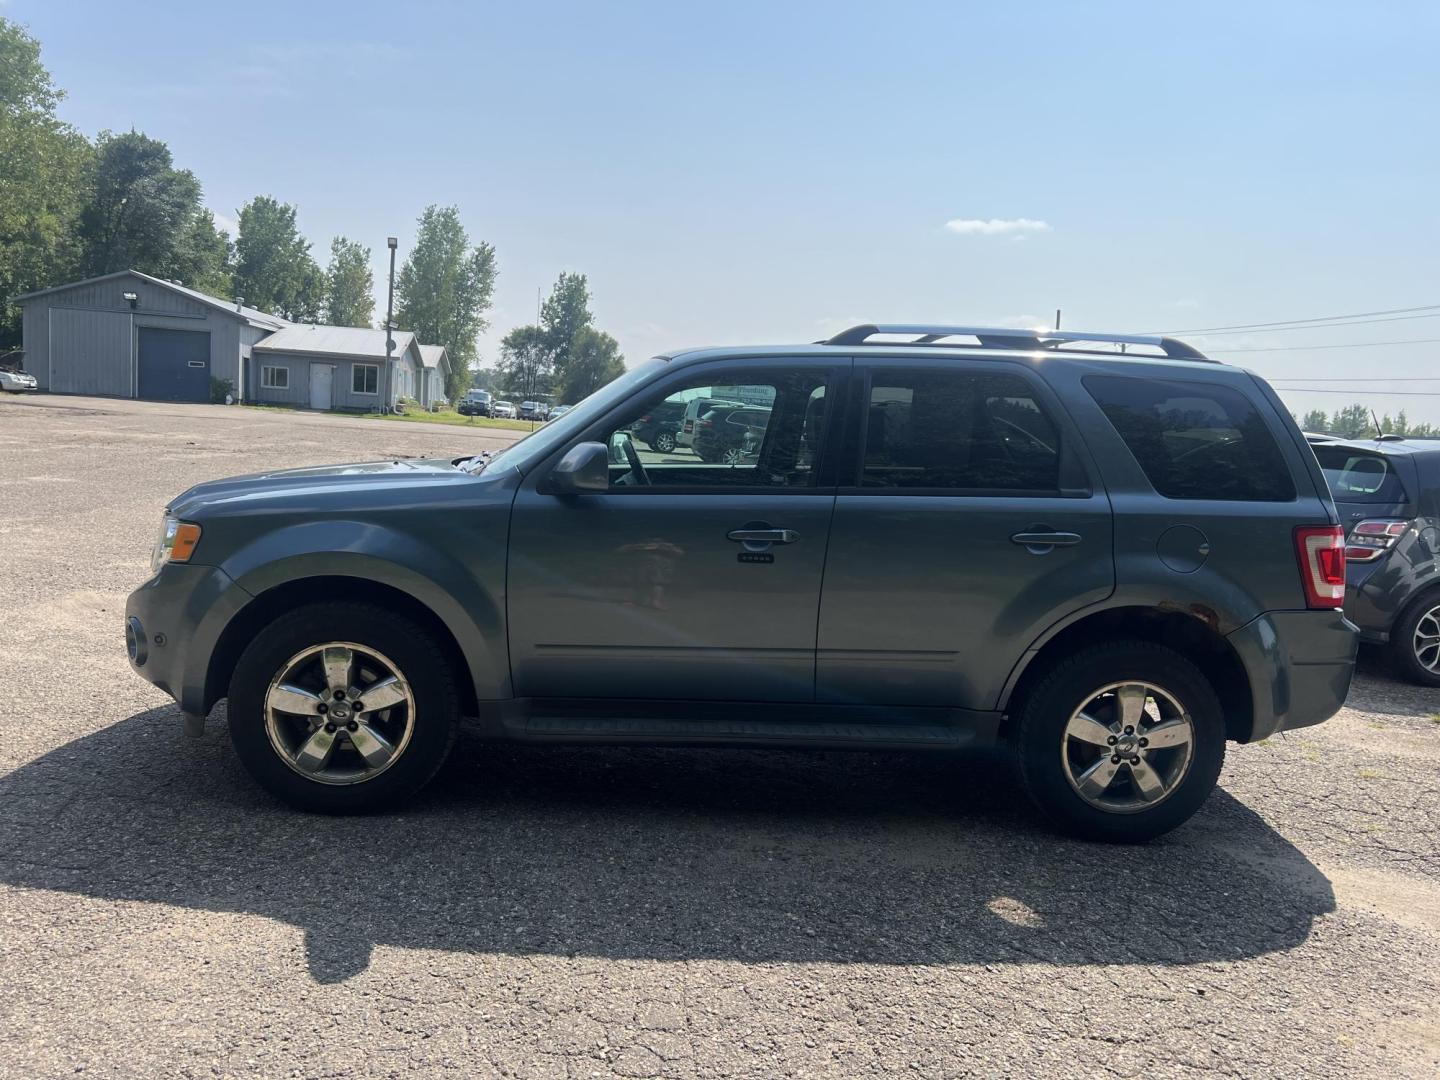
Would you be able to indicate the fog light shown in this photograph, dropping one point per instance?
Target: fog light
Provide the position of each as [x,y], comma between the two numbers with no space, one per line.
[135,641]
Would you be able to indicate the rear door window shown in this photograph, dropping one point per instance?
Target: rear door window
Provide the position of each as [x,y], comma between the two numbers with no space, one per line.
[947,429]
[1195,440]
[1357,477]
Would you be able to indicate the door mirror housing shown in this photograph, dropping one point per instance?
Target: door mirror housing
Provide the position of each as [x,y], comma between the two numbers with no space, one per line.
[584,470]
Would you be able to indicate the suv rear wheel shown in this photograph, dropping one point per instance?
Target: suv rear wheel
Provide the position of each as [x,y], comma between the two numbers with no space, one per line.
[1121,742]
[342,707]
[1415,641]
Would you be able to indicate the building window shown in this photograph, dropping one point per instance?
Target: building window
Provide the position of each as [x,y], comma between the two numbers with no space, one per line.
[275,378]
[365,379]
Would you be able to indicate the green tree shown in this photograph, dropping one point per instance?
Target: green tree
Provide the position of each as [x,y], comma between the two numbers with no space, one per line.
[140,210]
[349,285]
[205,257]
[44,175]
[526,366]
[565,314]
[1315,420]
[273,268]
[1351,421]
[444,290]
[593,360]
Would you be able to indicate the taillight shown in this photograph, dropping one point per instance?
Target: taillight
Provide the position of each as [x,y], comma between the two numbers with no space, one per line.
[1320,550]
[705,423]
[1371,539]
[689,426]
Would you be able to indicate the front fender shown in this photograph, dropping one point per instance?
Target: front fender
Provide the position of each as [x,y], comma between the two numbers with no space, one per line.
[466,594]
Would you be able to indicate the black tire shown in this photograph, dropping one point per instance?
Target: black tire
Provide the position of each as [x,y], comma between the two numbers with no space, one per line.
[1403,654]
[664,442]
[413,651]
[1045,712]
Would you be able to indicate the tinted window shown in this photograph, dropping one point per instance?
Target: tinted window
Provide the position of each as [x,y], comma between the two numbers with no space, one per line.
[765,432]
[955,429]
[1194,440]
[1358,477]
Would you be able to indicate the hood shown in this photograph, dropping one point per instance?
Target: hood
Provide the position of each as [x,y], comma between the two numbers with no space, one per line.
[322,483]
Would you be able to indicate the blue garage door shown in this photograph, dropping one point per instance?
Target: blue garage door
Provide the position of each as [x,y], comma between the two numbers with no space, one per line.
[174,364]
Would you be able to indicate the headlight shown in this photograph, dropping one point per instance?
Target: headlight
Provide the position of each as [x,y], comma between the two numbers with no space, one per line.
[177,542]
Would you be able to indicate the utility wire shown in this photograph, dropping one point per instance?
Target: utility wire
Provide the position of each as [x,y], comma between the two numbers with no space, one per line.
[1401,378]
[1294,322]
[1308,326]
[1358,391]
[1348,345]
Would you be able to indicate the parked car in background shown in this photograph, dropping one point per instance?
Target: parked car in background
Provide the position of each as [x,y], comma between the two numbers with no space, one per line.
[533,410]
[557,412]
[476,403]
[504,409]
[730,435]
[1108,564]
[1387,491]
[658,428]
[694,409]
[16,382]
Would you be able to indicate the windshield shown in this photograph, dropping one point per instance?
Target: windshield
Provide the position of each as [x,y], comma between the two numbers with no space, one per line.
[1357,477]
[577,417]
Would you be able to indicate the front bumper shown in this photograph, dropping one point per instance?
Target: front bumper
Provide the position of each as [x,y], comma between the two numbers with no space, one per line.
[173,623]
[1299,664]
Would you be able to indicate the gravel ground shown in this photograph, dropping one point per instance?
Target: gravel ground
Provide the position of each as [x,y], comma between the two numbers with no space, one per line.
[589,912]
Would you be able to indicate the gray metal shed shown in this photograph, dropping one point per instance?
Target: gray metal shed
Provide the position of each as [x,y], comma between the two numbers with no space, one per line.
[86,338]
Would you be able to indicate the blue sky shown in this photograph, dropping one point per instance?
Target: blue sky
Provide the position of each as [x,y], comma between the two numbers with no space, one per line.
[771,172]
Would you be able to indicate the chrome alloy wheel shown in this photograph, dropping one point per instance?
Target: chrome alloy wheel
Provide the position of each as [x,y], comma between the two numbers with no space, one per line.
[1127,747]
[339,713]
[1427,640]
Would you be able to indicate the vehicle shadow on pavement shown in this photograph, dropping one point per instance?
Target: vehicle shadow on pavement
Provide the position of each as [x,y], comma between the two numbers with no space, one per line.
[653,854]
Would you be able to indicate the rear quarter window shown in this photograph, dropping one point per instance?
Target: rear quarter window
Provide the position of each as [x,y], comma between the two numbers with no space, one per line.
[1195,440]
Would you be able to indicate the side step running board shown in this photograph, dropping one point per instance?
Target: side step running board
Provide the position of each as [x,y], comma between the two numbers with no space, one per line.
[736,732]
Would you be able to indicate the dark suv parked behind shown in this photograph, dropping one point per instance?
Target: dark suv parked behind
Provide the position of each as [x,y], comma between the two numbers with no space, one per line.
[940,538]
[1388,493]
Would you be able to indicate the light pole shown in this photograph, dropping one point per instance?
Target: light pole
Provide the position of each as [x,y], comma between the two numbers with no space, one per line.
[133,299]
[390,242]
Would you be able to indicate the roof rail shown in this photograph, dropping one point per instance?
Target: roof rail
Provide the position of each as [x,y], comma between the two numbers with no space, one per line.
[990,337]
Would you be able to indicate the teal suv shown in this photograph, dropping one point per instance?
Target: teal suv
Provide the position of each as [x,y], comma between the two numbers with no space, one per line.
[1106,554]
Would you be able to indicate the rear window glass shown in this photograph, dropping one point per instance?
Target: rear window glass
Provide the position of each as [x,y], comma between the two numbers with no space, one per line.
[1195,440]
[1357,477]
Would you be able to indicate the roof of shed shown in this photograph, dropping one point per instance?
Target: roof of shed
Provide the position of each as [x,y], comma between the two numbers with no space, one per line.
[431,355]
[334,341]
[254,316]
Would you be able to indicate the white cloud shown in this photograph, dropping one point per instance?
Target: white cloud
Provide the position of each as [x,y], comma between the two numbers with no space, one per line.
[223,221]
[996,226]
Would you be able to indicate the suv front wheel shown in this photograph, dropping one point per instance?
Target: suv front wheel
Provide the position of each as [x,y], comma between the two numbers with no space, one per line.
[1121,742]
[342,707]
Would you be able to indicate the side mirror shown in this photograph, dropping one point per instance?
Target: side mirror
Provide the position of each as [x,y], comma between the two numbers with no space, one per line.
[583,470]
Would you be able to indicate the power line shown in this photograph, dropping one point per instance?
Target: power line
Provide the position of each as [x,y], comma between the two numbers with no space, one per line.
[1293,322]
[1358,391]
[1398,378]
[1348,345]
[1311,326]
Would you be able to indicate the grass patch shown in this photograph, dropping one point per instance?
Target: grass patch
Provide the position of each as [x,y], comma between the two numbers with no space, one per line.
[1435,718]
[450,416]
[1369,774]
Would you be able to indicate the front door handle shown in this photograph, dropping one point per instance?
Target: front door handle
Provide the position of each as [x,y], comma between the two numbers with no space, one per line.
[763,536]
[1046,539]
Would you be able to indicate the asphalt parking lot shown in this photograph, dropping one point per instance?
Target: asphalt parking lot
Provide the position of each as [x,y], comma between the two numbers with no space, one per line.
[580,913]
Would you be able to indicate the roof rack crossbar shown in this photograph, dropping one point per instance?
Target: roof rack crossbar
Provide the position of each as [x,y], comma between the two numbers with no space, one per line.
[1004,337]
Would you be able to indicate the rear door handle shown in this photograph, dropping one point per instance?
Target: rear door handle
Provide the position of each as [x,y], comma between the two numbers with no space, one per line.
[763,536]
[1046,539]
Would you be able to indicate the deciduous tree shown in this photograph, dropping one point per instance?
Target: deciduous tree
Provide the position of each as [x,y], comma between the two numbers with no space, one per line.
[273,268]
[444,290]
[349,285]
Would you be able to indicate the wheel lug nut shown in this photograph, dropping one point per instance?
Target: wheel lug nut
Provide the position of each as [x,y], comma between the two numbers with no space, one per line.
[1115,760]
[330,728]
[1110,741]
[339,695]
[1128,730]
[322,708]
[352,726]
[358,706]
[1144,742]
